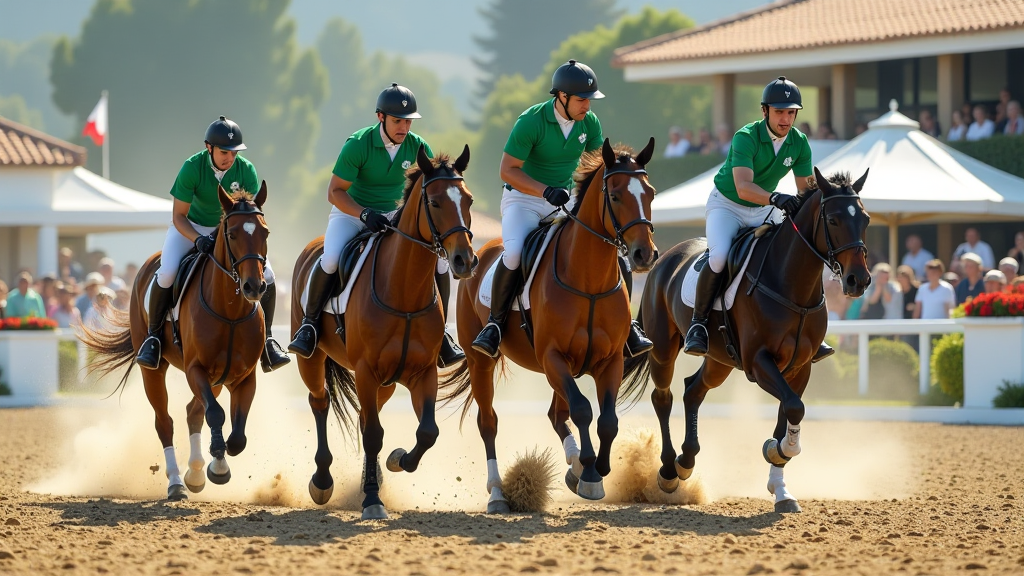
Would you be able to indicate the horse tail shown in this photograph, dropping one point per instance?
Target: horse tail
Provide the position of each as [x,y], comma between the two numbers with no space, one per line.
[454,386]
[113,348]
[636,372]
[341,388]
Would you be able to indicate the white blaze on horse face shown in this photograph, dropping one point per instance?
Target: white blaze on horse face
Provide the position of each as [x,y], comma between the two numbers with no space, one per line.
[456,195]
[637,188]
[249,227]
[851,209]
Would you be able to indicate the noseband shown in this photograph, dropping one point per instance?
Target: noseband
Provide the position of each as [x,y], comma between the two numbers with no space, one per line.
[245,209]
[830,256]
[437,239]
[619,242]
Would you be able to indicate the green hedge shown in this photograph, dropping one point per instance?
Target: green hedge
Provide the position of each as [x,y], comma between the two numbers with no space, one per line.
[947,365]
[1011,395]
[665,173]
[1003,152]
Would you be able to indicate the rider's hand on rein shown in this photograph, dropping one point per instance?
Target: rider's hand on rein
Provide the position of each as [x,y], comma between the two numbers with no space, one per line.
[556,196]
[375,221]
[205,244]
[786,202]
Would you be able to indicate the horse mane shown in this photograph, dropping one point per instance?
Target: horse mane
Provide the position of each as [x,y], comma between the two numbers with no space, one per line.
[240,196]
[840,180]
[590,163]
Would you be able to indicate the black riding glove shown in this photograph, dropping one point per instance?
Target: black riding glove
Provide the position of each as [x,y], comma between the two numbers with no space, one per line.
[204,244]
[786,202]
[556,196]
[375,221]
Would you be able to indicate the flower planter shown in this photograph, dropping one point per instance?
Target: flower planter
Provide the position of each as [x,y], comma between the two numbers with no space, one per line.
[993,352]
[29,362]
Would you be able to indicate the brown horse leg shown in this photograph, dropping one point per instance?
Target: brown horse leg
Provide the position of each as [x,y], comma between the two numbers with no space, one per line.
[710,375]
[195,479]
[558,414]
[481,378]
[373,441]
[665,336]
[556,369]
[784,445]
[770,379]
[314,374]
[156,392]
[423,387]
[241,401]
[607,380]
[218,471]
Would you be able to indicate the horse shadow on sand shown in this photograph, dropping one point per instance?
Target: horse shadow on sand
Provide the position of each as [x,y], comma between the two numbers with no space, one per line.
[106,512]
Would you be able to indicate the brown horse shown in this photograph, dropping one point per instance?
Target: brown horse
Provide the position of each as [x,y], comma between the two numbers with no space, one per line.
[221,335]
[393,322]
[778,321]
[580,312]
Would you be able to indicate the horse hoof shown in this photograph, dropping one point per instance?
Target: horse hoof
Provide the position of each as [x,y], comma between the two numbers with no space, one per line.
[683,473]
[375,512]
[668,485]
[591,490]
[176,493]
[394,462]
[498,507]
[195,481]
[787,506]
[320,497]
[572,481]
[218,479]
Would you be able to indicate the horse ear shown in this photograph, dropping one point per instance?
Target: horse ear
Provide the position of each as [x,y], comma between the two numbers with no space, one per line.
[607,153]
[261,196]
[225,201]
[424,162]
[646,154]
[860,182]
[462,162]
[823,184]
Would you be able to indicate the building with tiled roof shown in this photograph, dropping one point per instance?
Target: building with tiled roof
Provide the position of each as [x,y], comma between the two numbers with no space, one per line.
[24,146]
[858,54]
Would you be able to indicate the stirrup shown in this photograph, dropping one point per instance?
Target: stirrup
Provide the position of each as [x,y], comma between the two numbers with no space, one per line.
[150,347]
[482,346]
[640,342]
[305,335]
[280,359]
[824,351]
[451,352]
[689,346]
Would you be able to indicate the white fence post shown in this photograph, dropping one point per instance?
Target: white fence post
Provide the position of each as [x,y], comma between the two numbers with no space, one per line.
[924,377]
[862,363]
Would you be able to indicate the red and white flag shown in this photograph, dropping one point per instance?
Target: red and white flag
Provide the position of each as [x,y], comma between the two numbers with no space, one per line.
[96,125]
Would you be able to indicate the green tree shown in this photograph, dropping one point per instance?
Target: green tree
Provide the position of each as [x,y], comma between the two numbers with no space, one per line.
[25,82]
[14,108]
[522,34]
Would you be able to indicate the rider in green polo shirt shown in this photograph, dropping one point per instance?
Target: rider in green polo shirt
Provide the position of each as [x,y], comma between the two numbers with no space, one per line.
[365,188]
[197,212]
[762,153]
[540,156]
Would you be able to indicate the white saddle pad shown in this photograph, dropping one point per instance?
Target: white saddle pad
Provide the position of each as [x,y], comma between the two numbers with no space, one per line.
[689,292]
[339,303]
[485,284]
[177,305]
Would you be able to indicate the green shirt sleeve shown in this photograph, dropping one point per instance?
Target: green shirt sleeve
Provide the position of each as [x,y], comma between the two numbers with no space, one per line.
[523,138]
[251,182]
[595,137]
[804,166]
[743,149]
[351,160]
[426,148]
[185,184]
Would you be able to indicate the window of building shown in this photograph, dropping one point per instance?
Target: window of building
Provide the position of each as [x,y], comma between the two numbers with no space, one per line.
[986,75]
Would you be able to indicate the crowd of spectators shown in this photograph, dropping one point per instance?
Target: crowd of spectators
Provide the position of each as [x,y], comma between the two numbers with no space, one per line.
[978,121]
[70,297]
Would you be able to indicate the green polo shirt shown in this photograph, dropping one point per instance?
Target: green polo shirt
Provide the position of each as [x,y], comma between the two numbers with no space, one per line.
[197,184]
[752,148]
[377,181]
[548,156]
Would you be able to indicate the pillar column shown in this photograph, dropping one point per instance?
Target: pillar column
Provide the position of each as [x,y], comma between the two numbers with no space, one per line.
[844,80]
[723,101]
[824,105]
[46,250]
[950,84]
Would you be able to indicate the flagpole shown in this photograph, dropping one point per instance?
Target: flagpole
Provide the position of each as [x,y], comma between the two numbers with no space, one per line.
[106,142]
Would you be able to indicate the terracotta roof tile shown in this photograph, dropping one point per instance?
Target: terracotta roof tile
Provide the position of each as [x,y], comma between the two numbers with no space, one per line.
[24,146]
[803,24]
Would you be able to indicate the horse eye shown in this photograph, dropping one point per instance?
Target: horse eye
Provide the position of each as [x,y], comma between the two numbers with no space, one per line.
[434,204]
[615,198]
[832,221]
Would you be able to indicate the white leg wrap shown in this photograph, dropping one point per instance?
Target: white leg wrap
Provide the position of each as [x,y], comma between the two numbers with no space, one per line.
[195,456]
[571,449]
[493,478]
[219,466]
[496,495]
[777,485]
[790,445]
[171,463]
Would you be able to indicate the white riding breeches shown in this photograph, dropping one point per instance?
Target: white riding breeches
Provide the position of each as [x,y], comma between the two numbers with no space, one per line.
[724,218]
[341,229]
[520,214]
[175,248]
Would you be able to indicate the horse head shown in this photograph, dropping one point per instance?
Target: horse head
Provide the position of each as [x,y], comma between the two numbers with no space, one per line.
[241,247]
[840,230]
[627,203]
[444,204]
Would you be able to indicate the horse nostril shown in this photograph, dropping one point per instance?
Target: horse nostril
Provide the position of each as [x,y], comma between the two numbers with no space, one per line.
[851,280]
[458,262]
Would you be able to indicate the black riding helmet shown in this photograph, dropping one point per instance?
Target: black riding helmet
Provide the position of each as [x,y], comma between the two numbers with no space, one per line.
[225,134]
[397,101]
[782,93]
[575,79]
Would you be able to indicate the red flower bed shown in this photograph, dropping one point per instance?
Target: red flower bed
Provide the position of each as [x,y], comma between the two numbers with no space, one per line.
[1010,302]
[28,323]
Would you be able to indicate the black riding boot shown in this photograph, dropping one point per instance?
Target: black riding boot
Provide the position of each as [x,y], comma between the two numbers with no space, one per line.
[273,356]
[503,292]
[451,353]
[320,285]
[150,353]
[697,338]
[637,342]
[824,351]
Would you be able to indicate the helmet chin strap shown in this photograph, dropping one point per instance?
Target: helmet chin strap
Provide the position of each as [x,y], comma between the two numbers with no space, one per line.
[769,122]
[384,125]
[565,105]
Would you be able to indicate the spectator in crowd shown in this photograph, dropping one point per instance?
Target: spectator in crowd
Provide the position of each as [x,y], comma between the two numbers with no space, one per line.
[916,256]
[952,278]
[677,145]
[48,292]
[825,132]
[957,127]
[836,302]
[723,138]
[131,270]
[982,127]
[66,314]
[1002,110]
[805,129]
[3,299]
[98,317]
[706,145]
[1019,280]
[122,298]
[106,268]
[928,124]
[1017,251]
[1009,266]
[967,110]
[24,301]
[908,287]
[971,284]
[859,129]
[995,281]
[936,298]
[1014,122]
[883,299]
[93,281]
[67,267]
[975,244]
